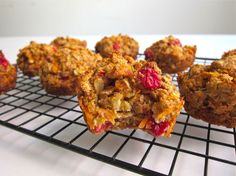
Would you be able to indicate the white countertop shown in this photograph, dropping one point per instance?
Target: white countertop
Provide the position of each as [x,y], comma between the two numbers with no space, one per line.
[22,155]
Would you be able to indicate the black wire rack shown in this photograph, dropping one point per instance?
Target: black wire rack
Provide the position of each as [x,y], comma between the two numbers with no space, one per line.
[195,147]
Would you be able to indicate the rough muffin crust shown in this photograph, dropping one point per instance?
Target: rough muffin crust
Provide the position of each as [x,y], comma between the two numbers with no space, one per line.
[121,93]
[30,58]
[229,53]
[61,72]
[67,42]
[170,55]
[122,44]
[210,91]
[7,75]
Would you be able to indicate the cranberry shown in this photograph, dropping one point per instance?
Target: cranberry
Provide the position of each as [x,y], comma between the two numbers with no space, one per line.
[64,78]
[148,111]
[156,129]
[150,124]
[3,60]
[175,42]
[116,46]
[103,127]
[160,128]
[149,78]
[148,53]
[101,73]
[54,48]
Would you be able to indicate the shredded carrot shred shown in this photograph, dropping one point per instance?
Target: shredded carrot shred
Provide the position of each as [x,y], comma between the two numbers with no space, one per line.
[143,122]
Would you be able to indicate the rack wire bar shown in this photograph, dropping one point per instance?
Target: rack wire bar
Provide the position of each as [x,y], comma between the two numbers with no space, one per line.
[59,121]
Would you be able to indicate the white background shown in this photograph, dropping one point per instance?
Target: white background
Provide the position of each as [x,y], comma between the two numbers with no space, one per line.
[91,17]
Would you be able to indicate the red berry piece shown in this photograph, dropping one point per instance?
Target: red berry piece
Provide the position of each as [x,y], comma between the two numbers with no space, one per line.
[54,48]
[116,46]
[148,53]
[101,73]
[3,60]
[175,42]
[156,129]
[160,128]
[103,127]
[149,78]
[150,124]
[64,78]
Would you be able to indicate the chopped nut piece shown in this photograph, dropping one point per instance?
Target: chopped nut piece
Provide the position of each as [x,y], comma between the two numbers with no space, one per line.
[99,85]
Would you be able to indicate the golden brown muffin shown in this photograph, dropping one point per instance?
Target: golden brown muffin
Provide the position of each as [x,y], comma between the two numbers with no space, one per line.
[67,42]
[61,72]
[121,93]
[210,92]
[229,53]
[170,55]
[122,44]
[7,75]
[30,58]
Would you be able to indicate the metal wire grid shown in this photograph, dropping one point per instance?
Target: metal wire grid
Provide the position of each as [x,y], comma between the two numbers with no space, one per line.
[58,120]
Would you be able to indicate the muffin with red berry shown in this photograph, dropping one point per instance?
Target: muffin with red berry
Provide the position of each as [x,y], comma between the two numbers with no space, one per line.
[170,55]
[7,75]
[30,57]
[210,91]
[68,42]
[122,93]
[122,44]
[61,71]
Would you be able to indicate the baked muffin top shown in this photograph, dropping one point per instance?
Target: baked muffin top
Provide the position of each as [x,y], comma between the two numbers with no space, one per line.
[229,53]
[66,62]
[5,66]
[226,65]
[30,57]
[68,42]
[170,55]
[120,88]
[7,74]
[122,44]
[211,88]
[167,46]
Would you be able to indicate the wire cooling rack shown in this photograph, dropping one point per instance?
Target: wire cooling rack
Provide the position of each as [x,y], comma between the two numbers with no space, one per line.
[195,148]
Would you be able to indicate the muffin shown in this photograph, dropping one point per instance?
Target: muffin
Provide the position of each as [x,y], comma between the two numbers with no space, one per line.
[229,53]
[70,43]
[210,92]
[170,55]
[29,59]
[121,93]
[122,44]
[61,72]
[7,75]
